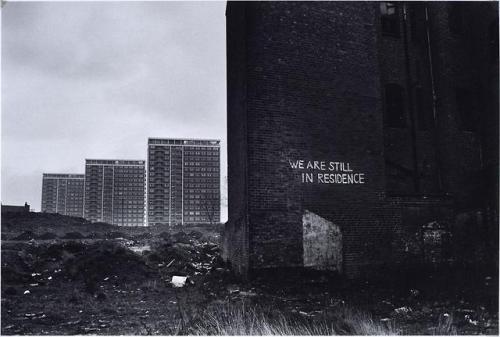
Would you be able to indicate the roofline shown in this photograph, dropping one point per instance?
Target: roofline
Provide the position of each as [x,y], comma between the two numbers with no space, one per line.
[73,174]
[204,139]
[144,160]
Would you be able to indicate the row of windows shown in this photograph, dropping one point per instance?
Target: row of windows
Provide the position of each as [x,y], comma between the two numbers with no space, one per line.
[201,163]
[201,169]
[156,176]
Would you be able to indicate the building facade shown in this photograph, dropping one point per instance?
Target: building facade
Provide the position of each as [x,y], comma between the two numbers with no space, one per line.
[115,191]
[183,181]
[16,209]
[360,122]
[63,193]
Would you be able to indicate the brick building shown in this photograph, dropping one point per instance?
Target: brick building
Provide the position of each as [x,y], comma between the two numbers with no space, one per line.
[16,209]
[351,124]
[183,181]
[115,191]
[63,193]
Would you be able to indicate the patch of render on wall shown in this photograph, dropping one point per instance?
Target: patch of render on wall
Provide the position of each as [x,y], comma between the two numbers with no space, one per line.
[322,241]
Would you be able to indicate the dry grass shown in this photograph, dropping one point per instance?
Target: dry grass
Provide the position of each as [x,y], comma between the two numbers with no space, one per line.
[242,319]
[445,326]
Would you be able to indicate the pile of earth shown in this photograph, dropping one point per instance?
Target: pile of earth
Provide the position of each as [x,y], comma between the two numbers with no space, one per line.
[43,222]
[73,261]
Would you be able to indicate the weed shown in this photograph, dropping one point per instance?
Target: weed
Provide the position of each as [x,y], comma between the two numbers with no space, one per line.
[243,319]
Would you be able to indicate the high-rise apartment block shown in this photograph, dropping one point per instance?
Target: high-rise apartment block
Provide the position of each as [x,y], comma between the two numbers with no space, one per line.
[183,181]
[63,193]
[114,191]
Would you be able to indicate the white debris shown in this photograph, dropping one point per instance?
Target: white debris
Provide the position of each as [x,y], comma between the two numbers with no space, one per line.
[179,281]
[403,310]
[27,292]
[49,278]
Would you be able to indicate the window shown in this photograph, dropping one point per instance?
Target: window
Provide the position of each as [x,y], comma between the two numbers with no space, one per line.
[394,106]
[466,109]
[390,18]
[456,17]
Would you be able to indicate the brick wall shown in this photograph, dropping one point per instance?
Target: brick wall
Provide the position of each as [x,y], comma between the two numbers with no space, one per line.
[305,81]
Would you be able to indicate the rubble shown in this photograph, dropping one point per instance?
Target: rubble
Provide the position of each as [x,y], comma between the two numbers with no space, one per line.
[178,281]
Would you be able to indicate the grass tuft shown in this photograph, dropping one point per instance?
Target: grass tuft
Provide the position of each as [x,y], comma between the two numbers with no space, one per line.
[242,319]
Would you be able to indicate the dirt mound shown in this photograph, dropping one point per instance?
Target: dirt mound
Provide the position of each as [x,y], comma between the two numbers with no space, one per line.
[47,236]
[166,236]
[181,237]
[95,235]
[25,236]
[17,223]
[115,235]
[196,235]
[58,251]
[11,275]
[74,236]
[142,236]
[107,260]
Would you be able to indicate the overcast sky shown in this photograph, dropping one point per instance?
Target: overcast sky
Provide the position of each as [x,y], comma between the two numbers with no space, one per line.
[95,80]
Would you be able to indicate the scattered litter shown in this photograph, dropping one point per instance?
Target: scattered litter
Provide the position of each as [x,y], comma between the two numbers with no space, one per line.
[248,293]
[403,310]
[469,320]
[414,292]
[179,281]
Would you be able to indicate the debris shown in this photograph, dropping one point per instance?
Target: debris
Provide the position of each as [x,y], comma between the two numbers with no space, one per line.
[179,281]
[414,292]
[26,292]
[248,293]
[403,310]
